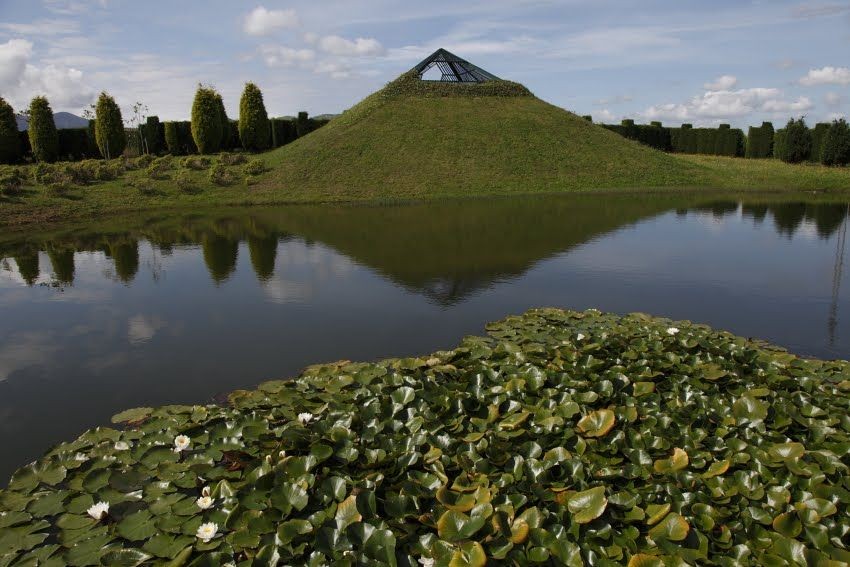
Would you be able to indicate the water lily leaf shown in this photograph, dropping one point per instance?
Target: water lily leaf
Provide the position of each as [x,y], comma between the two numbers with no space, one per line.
[748,408]
[124,558]
[403,395]
[673,528]
[656,512]
[587,505]
[290,529]
[712,372]
[287,497]
[455,526]
[644,560]
[717,468]
[787,524]
[642,388]
[678,461]
[134,414]
[470,554]
[597,423]
[455,500]
[347,513]
[783,451]
[137,527]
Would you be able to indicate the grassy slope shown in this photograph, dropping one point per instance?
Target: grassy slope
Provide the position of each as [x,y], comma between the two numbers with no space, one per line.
[397,146]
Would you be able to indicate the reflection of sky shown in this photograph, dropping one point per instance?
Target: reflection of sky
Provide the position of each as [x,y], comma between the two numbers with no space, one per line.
[85,351]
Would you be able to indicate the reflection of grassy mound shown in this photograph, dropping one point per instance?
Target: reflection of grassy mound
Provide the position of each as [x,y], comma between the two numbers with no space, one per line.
[414,138]
[574,438]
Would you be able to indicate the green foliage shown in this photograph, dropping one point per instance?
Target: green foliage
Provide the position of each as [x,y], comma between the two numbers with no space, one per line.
[184,182]
[796,143]
[161,167]
[564,438]
[283,131]
[254,127]
[227,158]
[653,135]
[10,144]
[225,142]
[12,179]
[302,124]
[254,167]
[818,138]
[77,144]
[178,138]
[409,84]
[109,127]
[196,162]
[43,136]
[836,144]
[153,134]
[760,141]
[207,127]
[220,175]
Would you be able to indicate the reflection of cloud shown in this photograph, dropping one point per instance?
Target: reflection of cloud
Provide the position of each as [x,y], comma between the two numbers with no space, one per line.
[141,329]
[23,350]
[280,290]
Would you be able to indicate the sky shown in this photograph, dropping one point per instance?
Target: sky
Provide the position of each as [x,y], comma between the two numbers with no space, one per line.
[703,62]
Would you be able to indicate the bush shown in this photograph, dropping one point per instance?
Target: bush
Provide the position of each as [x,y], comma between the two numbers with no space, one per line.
[224,142]
[144,161]
[178,138]
[10,143]
[254,127]
[76,144]
[797,142]
[81,173]
[254,167]
[108,170]
[43,136]
[11,181]
[159,168]
[195,162]
[220,175]
[302,124]
[184,182]
[153,134]
[42,173]
[226,158]
[760,141]
[109,127]
[283,131]
[206,121]
[818,139]
[836,144]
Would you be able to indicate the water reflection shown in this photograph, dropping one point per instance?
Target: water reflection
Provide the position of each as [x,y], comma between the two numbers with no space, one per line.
[177,308]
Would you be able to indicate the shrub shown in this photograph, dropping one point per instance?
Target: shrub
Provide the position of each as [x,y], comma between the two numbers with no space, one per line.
[76,144]
[220,175]
[836,144]
[58,188]
[206,121]
[224,141]
[797,143]
[109,127]
[818,138]
[81,173]
[184,182]
[195,162]
[254,167]
[107,171]
[779,143]
[302,124]
[43,136]
[588,117]
[760,141]
[42,173]
[11,181]
[226,158]
[10,142]
[153,134]
[144,161]
[159,169]
[283,131]
[254,127]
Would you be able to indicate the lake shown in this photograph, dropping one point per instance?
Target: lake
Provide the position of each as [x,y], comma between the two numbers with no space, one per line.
[182,308]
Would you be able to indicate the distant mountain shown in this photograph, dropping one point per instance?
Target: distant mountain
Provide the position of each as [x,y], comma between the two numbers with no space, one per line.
[63,120]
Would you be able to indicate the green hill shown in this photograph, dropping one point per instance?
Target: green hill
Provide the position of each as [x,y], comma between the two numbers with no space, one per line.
[416,138]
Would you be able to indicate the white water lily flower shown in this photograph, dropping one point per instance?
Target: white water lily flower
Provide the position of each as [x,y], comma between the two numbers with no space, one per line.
[305,417]
[204,502]
[99,510]
[282,454]
[579,337]
[80,457]
[672,330]
[207,531]
[181,443]
[426,561]
[122,446]
[205,491]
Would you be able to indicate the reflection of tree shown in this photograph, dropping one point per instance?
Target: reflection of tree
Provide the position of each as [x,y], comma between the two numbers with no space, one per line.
[263,250]
[126,257]
[718,209]
[757,212]
[838,270]
[62,263]
[787,217]
[27,262]
[826,216]
[220,256]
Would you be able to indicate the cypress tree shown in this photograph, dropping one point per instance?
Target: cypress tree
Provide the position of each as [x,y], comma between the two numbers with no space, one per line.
[109,127]
[254,126]
[818,138]
[797,143]
[44,139]
[152,132]
[206,121]
[224,142]
[836,144]
[10,143]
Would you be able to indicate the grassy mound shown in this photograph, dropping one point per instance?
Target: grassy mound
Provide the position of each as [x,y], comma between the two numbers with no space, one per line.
[417,138]
[562,438]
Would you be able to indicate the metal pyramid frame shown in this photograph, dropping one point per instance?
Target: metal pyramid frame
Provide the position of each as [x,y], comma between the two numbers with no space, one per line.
[454,69]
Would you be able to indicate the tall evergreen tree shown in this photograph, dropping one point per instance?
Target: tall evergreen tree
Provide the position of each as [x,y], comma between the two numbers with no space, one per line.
[836,144]
[797,143]
[254,126]
[109,127]
[10,144]
[44,139]
[206,120]
[224,143]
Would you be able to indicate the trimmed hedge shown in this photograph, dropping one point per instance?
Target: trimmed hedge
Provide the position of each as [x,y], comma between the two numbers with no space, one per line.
[655,136]
[818,138]
[206,121]
[283,131]
[10,144]
[224,141]
[153,133]
[760,141]
[109,127]
[836,144]
[178,138]
[43,136]
[254,130]
[721,141]
[77,144]
[796,144]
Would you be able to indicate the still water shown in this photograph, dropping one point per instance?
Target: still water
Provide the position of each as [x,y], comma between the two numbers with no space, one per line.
[180,309]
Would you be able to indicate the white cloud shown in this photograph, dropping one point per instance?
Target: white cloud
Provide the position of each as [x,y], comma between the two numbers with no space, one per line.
[281,56]
[335,69]
[141,329]
[728,104]
[14,55]
[264,22]
[336,45]
[605,116]
[618,99]
[832,99]
[827,76]
[723,83]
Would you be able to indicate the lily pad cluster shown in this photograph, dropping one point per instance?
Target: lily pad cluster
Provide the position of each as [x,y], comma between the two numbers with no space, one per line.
[562,438]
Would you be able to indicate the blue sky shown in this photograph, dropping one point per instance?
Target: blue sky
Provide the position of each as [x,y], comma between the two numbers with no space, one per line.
[703,62]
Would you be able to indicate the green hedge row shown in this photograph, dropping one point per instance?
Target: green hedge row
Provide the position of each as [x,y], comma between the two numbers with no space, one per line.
[760,141]
[74,144]
[721,141]
[818,139]
[653,135]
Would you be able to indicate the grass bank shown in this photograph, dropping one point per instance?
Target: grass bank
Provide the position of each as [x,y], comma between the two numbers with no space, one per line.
[414,141]
[567,438]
